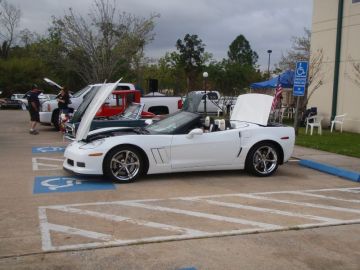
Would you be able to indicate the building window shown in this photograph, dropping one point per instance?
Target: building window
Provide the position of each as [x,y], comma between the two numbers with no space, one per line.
[355,1]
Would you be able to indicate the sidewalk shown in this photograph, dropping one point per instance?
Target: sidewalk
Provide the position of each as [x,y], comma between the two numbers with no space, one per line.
[340,165]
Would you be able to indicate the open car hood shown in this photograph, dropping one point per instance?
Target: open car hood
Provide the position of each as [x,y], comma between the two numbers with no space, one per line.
[252,108]
[52,83]
[94,106]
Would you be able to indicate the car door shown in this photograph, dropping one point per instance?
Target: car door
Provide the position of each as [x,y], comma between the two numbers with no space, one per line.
[209,149]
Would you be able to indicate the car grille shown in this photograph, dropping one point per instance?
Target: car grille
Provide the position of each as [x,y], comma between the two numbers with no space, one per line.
[70,162]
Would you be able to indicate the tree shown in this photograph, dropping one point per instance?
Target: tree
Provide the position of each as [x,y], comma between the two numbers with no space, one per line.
[240,67]
[9,21]
[356,67]
[104,43]
[241,53]
[301,51]
[354,76]
[191,57]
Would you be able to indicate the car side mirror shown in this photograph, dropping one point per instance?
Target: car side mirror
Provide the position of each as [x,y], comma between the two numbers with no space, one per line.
[196,131]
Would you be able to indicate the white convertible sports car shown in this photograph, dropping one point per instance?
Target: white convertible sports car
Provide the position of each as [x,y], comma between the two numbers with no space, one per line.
[179,143]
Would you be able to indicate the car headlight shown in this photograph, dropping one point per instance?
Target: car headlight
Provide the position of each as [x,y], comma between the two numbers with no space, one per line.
[92,144]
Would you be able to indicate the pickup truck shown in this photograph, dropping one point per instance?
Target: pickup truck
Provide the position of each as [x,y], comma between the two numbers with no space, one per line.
[133,116]
[212,101]
[49,112]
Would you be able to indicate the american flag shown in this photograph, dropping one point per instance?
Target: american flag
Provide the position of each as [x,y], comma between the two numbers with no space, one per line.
[277,97]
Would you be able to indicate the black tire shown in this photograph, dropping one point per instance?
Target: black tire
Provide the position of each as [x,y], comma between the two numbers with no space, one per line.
[55,119]
[262,159]
[124,164]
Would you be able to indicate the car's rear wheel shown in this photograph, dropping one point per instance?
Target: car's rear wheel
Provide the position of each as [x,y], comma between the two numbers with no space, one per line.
[124,164]
[262,159]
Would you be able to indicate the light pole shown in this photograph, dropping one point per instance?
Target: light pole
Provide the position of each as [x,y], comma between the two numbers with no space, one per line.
[269,52]
[205,76]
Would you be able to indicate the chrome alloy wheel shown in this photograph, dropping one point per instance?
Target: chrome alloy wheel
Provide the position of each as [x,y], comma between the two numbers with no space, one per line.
[265,160]
[125,165]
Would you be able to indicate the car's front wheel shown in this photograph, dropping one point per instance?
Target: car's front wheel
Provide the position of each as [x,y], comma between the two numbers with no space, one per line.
[262,159]
[124,164]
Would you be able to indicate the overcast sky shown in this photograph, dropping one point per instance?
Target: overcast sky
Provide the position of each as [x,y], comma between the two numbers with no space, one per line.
[267,24]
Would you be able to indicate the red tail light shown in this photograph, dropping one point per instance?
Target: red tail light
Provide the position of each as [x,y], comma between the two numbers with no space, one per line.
[180,104]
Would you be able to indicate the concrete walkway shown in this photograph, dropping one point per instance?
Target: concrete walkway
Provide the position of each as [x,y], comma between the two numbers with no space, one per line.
[340,165]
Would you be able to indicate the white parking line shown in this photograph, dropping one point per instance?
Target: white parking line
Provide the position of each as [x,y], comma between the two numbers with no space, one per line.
[352,190]
[202,215]
[267,210]
[75,231]
[322,196]
[313,205]
[46,164]
[310,190]
[129,220]
[99,239]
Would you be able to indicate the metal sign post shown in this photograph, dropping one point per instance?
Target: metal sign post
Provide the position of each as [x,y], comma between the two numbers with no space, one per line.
[300,81]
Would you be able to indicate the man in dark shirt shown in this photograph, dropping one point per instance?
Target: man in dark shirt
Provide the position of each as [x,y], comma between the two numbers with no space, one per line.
[34,108]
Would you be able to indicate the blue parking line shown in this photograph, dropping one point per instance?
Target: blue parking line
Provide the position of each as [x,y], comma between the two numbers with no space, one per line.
[188,268]
[47,149]
[343,173]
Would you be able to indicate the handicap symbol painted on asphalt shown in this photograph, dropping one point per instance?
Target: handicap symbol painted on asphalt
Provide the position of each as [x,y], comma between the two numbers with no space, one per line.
[49,184]
[48,149]
[58,183]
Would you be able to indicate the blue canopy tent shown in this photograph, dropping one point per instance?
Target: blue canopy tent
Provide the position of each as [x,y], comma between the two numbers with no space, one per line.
[286,79]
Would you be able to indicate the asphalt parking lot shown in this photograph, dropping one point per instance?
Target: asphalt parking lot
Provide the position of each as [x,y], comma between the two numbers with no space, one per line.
[297,219]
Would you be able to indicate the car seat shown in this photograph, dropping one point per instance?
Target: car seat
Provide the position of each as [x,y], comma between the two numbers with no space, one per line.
[222,125]
[209,124]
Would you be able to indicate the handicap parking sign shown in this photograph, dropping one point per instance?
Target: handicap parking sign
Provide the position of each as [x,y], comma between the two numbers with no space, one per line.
[300,79]
[48,149]
[50,184]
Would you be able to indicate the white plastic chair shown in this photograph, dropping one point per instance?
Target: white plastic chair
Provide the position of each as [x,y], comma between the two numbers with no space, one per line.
[282,114]
[314,121]
[339,119]
[290,112]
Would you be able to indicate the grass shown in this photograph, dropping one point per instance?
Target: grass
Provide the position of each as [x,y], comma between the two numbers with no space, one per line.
[345,143]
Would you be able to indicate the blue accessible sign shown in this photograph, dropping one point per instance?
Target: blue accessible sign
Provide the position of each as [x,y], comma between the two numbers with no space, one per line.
[300,79]
[50,184]
[48,149]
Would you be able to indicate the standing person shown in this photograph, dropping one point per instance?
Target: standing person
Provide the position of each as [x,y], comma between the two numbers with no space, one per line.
[34,108]
[63,99]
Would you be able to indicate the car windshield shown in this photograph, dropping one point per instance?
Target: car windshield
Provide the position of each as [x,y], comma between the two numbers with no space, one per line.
[132,112]
[79,93]
[171,123]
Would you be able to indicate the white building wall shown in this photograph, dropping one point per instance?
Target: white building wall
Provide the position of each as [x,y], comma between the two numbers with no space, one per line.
[324,38]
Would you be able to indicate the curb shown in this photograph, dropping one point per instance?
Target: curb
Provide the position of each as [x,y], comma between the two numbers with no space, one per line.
[347,174]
